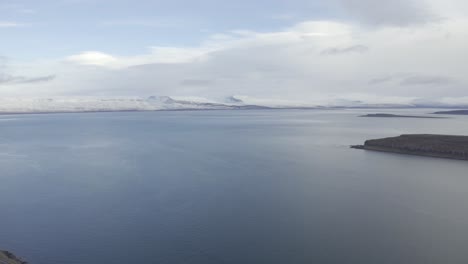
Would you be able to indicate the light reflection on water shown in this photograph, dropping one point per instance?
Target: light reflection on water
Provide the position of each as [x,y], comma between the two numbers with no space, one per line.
[227,187]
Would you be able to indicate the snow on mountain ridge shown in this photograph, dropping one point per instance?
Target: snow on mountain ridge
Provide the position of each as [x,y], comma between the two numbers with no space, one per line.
[153,103]
[89,104]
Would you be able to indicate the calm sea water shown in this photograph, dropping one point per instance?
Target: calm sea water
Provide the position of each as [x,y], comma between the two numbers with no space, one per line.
[227,187]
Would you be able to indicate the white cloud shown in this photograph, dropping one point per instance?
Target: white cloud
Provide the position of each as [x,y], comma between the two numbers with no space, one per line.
[157,54]
[9,79]
[9,24]
[391,62]
[94,58]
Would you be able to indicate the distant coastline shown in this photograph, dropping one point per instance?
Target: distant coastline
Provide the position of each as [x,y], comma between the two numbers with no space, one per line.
[452,112]
[440,146]
[223,107]
[399,116]
[62,105]
[158,110]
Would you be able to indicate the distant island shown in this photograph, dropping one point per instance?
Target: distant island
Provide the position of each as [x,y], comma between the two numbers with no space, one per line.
[398,116]
[453,112]
[8,258]
[441,146]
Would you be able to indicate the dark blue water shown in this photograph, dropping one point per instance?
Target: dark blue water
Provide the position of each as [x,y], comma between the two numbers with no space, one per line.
[227,187]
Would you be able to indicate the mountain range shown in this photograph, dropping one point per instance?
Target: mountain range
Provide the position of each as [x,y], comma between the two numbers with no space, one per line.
[160,103]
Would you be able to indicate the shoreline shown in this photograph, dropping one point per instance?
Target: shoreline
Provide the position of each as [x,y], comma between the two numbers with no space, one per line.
[7,257]
[426,145]
[402,152]
[237,108]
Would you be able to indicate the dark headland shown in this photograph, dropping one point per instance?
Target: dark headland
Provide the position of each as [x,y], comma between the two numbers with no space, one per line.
[453,112]
[398,116]
[8,258]
[441,146]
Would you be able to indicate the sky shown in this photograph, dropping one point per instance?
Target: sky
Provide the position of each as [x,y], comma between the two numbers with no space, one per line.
[297,50]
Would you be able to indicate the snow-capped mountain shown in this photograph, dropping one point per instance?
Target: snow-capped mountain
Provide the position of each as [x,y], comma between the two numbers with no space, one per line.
[93,104]
[155,103]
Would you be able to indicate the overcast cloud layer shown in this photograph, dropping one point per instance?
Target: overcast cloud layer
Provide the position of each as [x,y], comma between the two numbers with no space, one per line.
[379,51]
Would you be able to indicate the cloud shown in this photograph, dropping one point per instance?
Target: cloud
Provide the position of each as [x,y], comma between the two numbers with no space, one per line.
[426,80]
[158,54]
[10,79]
[94,58]
[380,80]
[9,24]
[408,79]
[346,50]
[195,82]
[286,64]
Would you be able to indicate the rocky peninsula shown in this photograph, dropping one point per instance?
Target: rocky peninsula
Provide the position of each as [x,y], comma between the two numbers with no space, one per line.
[8,258]
[441,146]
